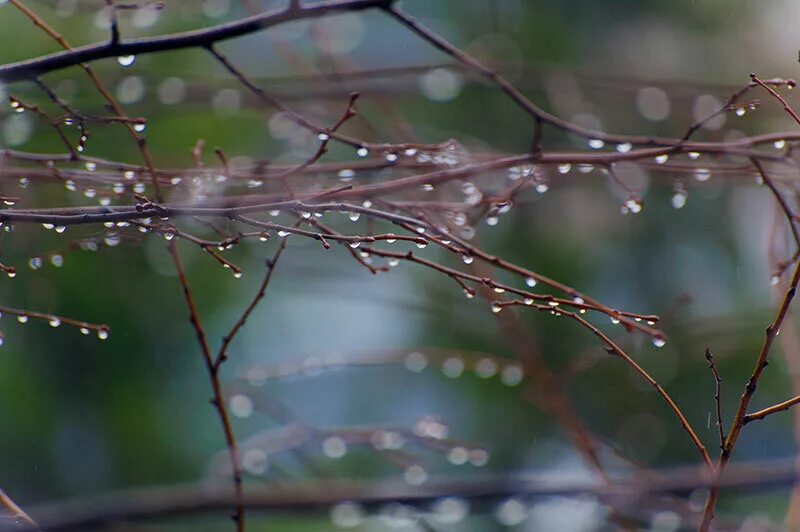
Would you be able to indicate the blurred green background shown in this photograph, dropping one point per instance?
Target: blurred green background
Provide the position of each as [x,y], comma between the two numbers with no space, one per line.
[83,416]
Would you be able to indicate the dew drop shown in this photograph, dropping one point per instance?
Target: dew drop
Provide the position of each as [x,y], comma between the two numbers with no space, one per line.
[496,307]
[54,322]
[346,515]
[659,341]
[596,144]
[334,447]
[102,334]
[485,368]
[624,147]
[779,144]
[139,127]
[453,367]
[661,159]
[468,259]
[531,282]
[679,199]
[415,475]
[564,168]
[511,512]
[702,174]
[416,362]
[126,60]
[22,318]
[241,406]
[60,229]
[362,152]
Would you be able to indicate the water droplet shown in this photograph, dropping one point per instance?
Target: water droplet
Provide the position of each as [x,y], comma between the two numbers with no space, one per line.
[362,152]
[453,367]
[54,322]
[90,166]
[254,461]
[479,457]
[35,263]
[661,159]
[415,475]
[60,229]
[511,512]
[334,447]
[241,406]
[139,127]
[324,137]
[450,510]
[741,111]
[531,282]
[779,144]
[57,261]
[126,60]
[541,188]
[564,168]
[679,199]
[492,220]
[354,216]
[169,234]
[468,259]
[416,362]
[659,341]
[596,144]
[84,330]
[422,244]
[625,147]
[22,318]
[391,157]
[102,334]
[633,205]
[511,375]
[237,275]
[346,515]
[485,368]
[702,174]
[496,307]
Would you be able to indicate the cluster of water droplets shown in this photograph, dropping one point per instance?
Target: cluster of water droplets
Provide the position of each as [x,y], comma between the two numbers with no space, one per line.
[510,374]
[447,511]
